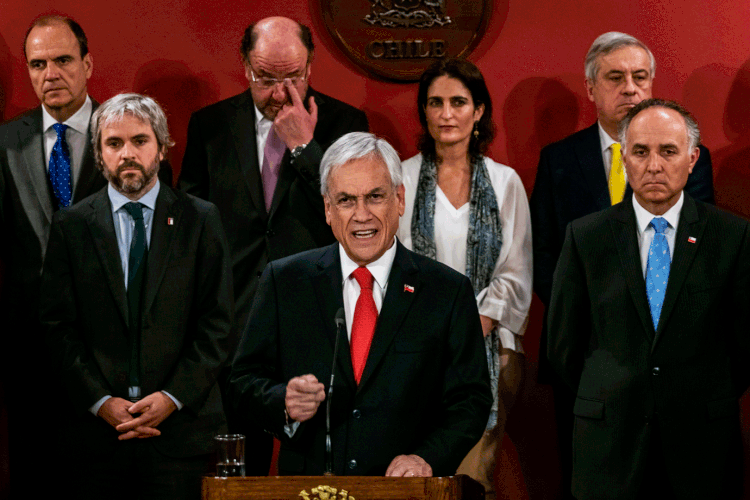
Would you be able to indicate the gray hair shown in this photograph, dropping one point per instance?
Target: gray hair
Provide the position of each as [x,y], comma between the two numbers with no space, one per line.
[609,42]
[356,145]
[693,132]
[144,108]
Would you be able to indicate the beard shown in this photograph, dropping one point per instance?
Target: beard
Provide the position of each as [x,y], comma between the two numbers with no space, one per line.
[132,183]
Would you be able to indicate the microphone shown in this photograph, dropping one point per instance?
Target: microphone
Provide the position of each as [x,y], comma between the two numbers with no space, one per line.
[340,321]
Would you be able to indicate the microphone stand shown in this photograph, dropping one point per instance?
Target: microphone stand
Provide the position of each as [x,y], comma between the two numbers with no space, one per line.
[340,322]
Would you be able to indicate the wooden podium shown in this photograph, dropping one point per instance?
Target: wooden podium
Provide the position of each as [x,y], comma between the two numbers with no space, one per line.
[341,488]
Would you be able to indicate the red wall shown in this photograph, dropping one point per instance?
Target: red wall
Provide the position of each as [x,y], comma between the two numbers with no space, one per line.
[184,53]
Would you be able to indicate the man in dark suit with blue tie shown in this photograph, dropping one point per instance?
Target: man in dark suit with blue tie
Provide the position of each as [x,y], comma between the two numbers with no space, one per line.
[45,164]
[583,174]
[648,327]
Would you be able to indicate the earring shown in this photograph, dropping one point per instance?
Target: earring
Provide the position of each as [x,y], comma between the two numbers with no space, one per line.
[476,130]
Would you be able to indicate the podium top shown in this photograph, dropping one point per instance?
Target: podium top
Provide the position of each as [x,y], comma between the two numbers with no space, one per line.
[458,487]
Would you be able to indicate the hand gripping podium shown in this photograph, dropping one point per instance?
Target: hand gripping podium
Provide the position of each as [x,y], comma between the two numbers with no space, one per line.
[458,487]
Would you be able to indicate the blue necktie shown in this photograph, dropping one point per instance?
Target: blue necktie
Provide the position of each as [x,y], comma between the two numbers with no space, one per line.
[59,167]
[657,269]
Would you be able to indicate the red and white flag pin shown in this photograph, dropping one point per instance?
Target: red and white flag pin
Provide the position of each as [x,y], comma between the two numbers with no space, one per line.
[409,288]
[691,239]
[170,221]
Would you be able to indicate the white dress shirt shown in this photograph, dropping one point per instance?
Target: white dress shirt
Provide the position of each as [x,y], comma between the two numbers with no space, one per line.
[262,129]
[646,231]
[75,136]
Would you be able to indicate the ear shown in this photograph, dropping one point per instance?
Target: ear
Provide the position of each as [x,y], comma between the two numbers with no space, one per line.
[327,206]
[248,72]
[478,112]
[401,197]
[694,155]
[589,88]
[88,64]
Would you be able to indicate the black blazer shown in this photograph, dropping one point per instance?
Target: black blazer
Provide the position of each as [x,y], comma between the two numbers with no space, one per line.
[425,387]
[571,183]
[187,317]
[685,378]
[221,165]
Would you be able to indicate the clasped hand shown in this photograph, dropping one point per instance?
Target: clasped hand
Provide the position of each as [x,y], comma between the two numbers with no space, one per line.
[137,420]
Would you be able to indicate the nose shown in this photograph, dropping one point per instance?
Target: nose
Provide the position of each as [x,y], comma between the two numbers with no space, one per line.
[362,210]
[52,72]
[127,151]
[630,86]
[654,163]
[447,110]
[278,92]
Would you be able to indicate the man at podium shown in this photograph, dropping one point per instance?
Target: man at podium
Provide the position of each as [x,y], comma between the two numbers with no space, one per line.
[411,391]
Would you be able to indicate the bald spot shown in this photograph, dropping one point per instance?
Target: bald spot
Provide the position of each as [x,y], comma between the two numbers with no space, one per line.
[278,49]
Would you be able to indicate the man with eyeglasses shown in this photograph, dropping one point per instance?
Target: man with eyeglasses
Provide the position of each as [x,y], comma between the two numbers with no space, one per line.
[256,156]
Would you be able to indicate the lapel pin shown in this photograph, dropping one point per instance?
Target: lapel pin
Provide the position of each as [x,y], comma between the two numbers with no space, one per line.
[691,239]
[409,288]
[170,221]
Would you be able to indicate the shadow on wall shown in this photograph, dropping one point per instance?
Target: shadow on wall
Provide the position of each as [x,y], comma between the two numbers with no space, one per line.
[537,112]
[6,79]
[179,91]
[731,172]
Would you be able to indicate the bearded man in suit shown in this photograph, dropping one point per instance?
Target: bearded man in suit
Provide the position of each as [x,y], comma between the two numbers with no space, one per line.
[136,301]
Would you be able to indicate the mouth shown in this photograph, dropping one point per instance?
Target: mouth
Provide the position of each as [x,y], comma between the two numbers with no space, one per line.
[364,234]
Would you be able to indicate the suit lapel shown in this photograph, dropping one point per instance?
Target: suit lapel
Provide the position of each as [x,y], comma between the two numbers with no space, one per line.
[625,232]
[690,225]
[89,174]
[34,170]
[162,240]
[102,227]
[243,132]
[328,289]
[396,304]
[588,151]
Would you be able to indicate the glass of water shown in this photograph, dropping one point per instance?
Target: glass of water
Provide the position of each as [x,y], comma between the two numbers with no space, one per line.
[230,455]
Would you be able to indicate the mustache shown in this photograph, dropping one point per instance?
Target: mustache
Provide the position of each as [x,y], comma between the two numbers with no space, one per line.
[131,165]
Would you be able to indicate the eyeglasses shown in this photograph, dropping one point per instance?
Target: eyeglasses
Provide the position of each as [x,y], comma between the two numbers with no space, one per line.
[266,82]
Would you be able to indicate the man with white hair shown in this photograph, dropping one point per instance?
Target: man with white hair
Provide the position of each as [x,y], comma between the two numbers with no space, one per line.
[584,173]
[411,393]
[136,301]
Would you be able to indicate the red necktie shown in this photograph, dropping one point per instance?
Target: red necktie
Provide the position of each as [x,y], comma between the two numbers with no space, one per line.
[363,325]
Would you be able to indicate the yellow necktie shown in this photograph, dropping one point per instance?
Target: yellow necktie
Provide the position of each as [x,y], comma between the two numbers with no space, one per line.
[616,175]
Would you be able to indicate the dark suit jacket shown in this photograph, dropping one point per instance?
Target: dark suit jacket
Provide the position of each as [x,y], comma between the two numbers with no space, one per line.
[684,378]
[27,206]
[221,165]
[571,183]
[425,387]
[186,319]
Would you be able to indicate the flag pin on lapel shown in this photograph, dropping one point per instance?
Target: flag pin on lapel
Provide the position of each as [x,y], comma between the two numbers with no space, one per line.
[691,239]
[409,288]
[170,221]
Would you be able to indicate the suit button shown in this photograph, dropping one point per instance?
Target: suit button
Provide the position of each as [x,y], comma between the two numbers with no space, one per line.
[655,371]
[646,418]
[269,232]
[356,414]
[352,464]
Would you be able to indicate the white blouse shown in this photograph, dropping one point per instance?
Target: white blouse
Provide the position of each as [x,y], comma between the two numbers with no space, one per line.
[508,297]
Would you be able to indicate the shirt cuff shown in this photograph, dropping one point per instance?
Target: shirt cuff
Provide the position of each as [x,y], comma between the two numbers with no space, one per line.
[291,427]
[97,406]
[174,400]
[509,340]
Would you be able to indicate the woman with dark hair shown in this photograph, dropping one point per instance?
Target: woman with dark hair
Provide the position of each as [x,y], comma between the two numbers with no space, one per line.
[471,213]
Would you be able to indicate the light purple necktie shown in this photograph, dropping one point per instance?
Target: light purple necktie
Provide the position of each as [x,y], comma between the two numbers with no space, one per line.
[272,155]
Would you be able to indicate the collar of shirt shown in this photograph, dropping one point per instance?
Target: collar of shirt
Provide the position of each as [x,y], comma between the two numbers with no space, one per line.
[118,199]
[643,216]
[78,122]
[380,268]
[605,142]
[262,128]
